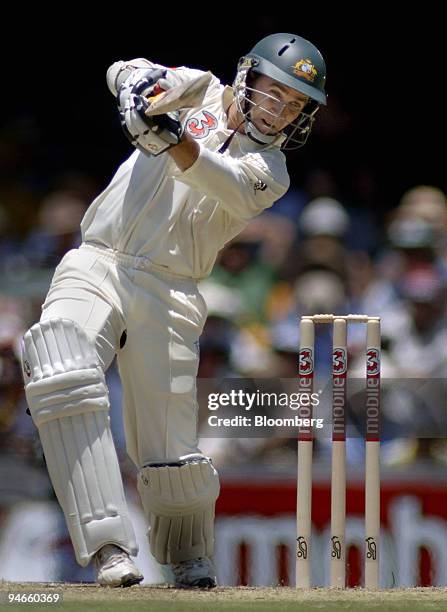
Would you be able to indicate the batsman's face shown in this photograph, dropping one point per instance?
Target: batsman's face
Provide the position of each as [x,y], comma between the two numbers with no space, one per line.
[274,105]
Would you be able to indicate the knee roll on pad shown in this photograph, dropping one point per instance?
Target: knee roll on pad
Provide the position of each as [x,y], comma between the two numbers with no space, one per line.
[68,400]
[179,500]
[62,373]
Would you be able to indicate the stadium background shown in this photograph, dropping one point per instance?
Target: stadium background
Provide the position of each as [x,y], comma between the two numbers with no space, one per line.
[381,247]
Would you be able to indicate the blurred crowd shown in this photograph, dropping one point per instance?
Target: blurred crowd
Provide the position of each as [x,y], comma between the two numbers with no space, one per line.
[307,257]
[310,253]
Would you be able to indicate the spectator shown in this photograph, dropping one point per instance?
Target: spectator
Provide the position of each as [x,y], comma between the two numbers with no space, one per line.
[58,229]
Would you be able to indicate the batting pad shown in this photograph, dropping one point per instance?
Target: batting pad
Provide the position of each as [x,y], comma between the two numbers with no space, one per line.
[68,400]
[179,500]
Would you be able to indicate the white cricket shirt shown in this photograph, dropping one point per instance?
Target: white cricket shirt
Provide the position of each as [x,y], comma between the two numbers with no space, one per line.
[180,220]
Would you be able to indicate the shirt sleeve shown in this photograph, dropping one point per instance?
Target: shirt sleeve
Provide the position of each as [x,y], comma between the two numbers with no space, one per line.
[244,187]
[121,70]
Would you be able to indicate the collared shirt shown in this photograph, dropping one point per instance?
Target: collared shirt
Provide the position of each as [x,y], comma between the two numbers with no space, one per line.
[180,220]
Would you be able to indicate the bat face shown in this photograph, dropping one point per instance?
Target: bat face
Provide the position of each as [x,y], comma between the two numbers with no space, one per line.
[187,95]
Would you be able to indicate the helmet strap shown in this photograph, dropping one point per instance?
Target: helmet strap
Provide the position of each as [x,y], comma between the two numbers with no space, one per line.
[227,142]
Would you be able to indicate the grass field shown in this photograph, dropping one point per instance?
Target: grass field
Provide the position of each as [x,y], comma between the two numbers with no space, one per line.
[92,598]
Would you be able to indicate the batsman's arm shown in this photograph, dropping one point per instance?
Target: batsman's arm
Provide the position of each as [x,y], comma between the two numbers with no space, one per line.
[120,71]
[244,186]
[185,153]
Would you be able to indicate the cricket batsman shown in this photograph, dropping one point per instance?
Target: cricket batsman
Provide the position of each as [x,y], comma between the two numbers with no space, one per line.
[207,159]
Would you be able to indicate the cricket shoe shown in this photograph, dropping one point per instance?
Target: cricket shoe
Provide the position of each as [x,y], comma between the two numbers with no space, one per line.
[114,567]
[198,573]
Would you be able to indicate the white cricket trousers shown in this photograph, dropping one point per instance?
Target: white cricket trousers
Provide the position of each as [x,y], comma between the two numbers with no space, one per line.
[113,296]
